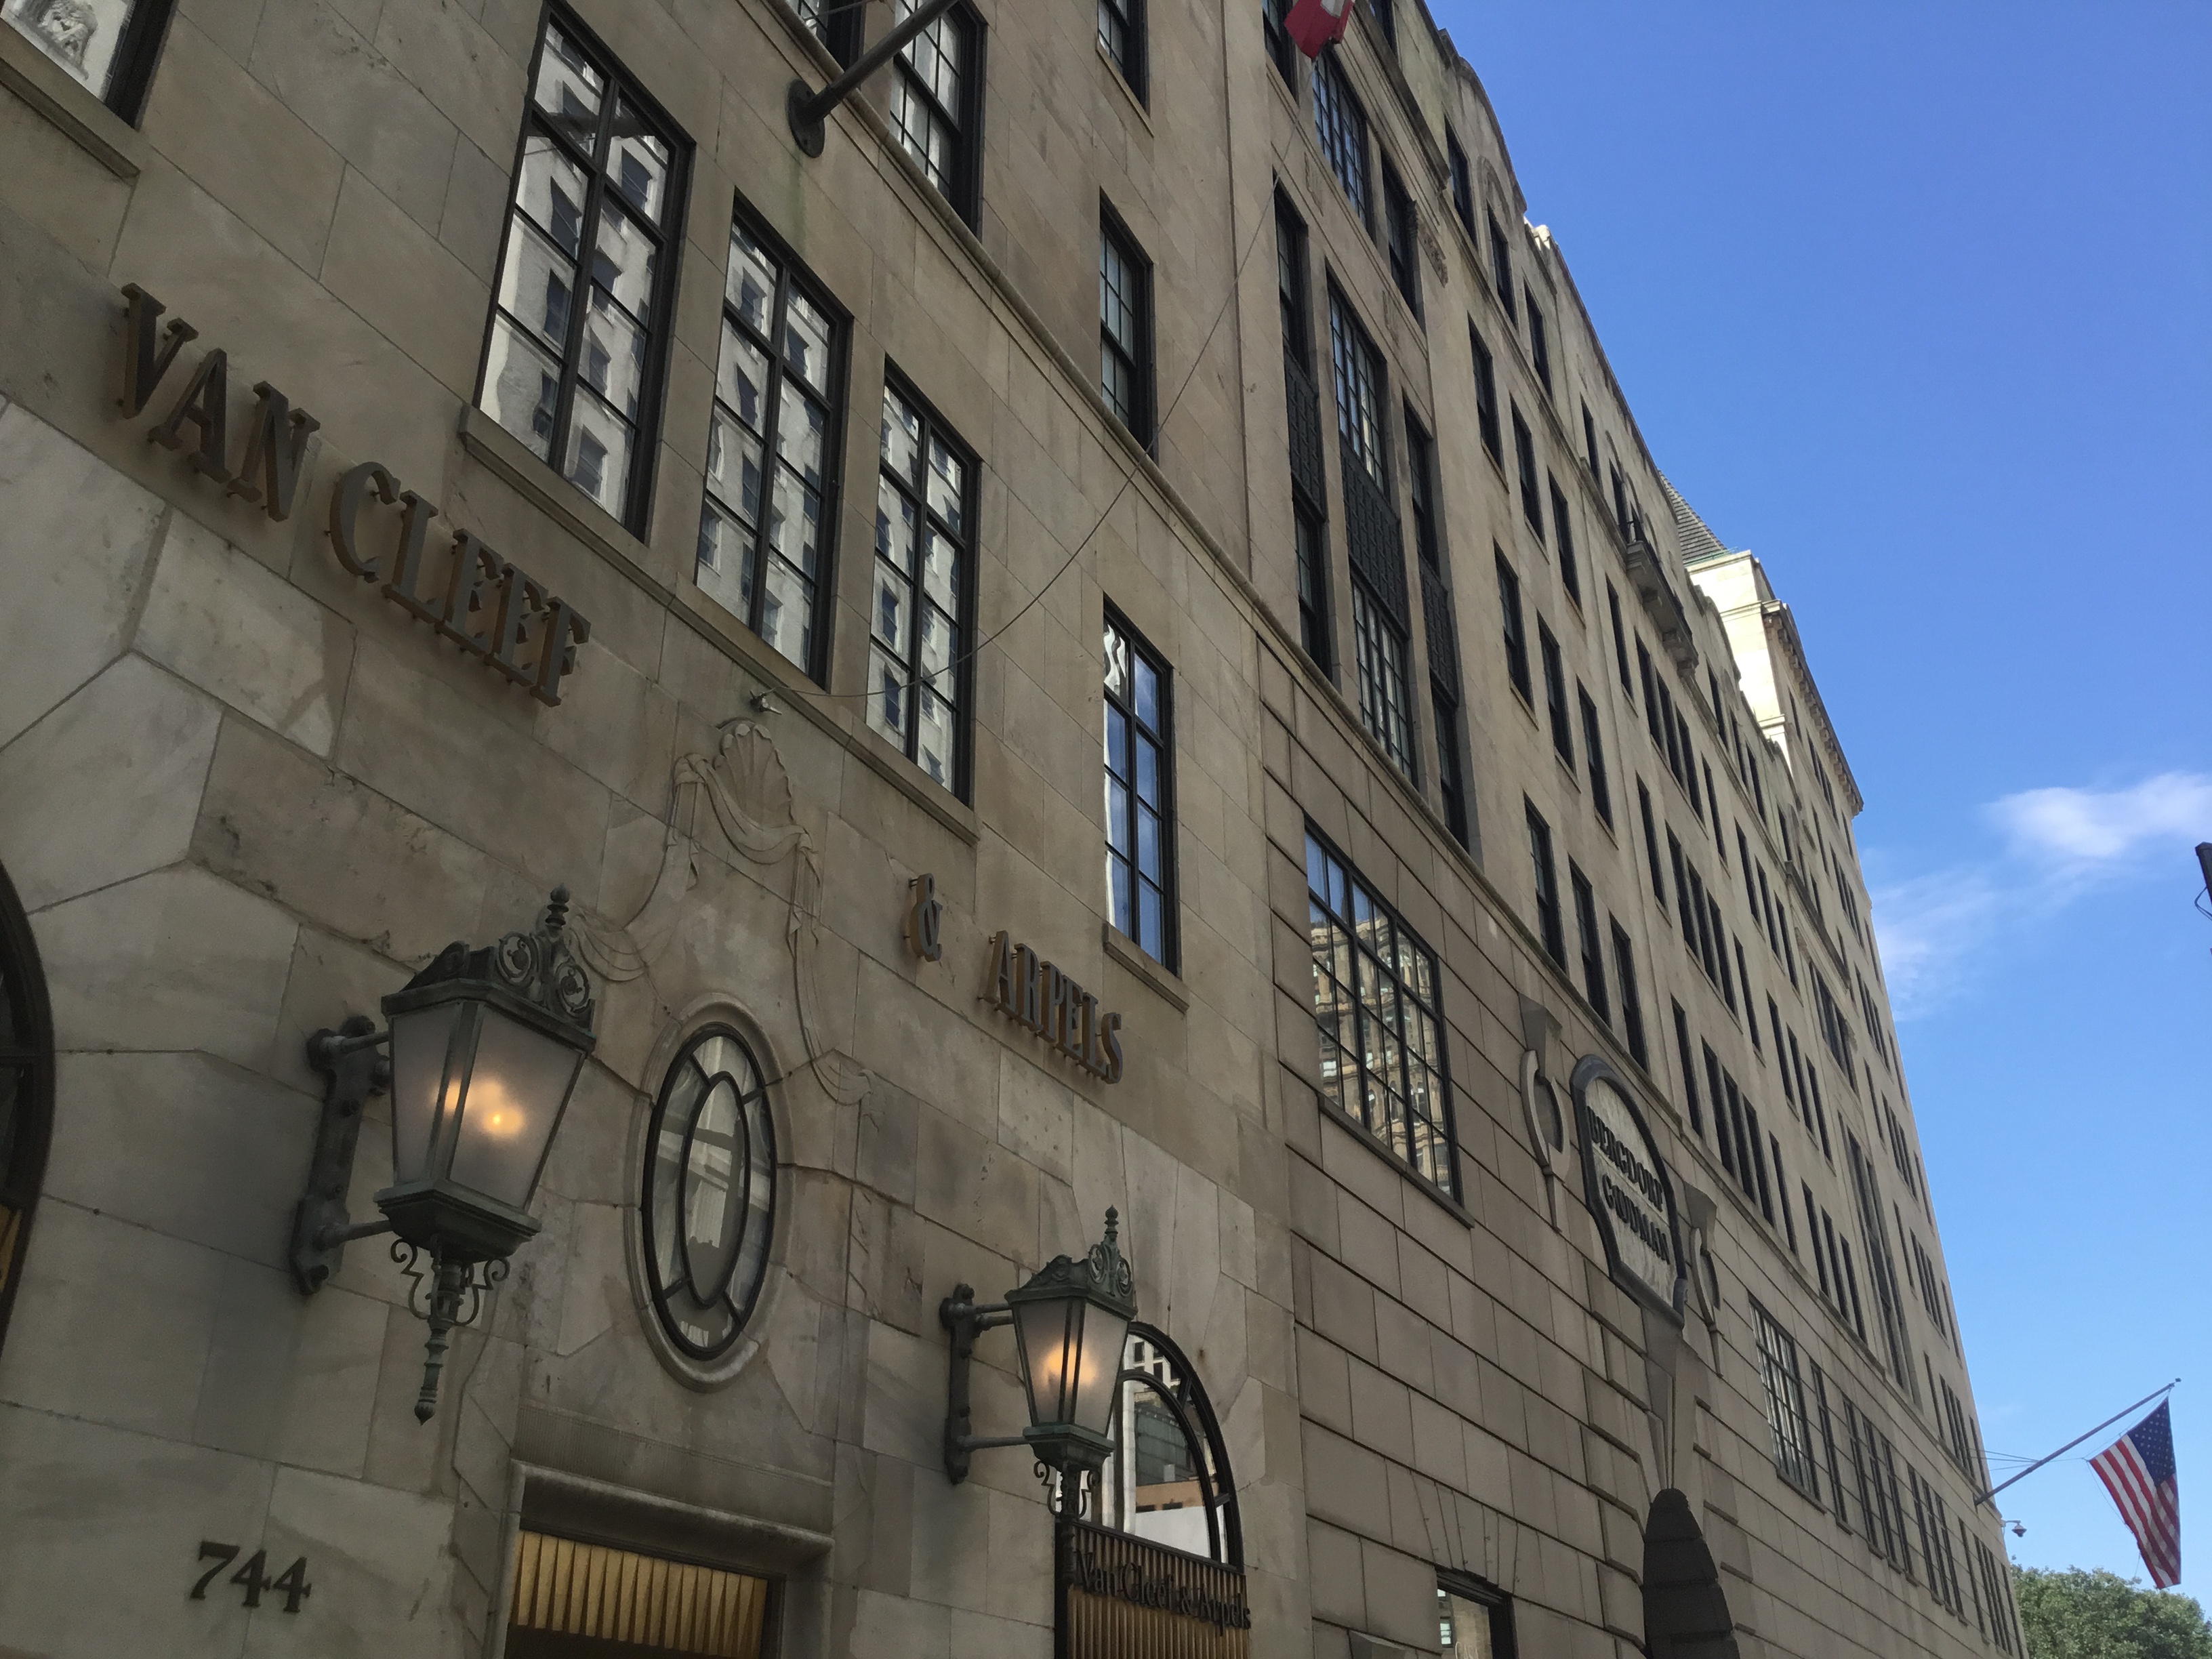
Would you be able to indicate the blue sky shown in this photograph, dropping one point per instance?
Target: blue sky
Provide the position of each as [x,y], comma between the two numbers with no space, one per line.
[1913,301]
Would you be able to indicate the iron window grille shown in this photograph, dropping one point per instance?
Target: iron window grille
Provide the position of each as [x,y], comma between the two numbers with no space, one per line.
[1139,792]
[767,525]
[1385,707]
[1591,948]
[111,52]
[1632,1005]
[1516,636]
[1555,695]
[1402,237]
[1563,534]
[1785,1403]
[576,343]
[1594,756]
[936,103]
[1125,328]
[1546,874]
[1485,395]
[1377,1000]
[1341,124]
[924,603]
[27,1088]
[1524,452]
[1121,32]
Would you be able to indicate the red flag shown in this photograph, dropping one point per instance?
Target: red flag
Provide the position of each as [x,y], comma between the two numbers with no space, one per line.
[1317,23]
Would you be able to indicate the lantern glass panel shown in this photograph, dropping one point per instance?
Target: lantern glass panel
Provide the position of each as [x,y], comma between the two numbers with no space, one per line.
[1105,1332]
[516,1092]
[1050,1355]
[420,1041]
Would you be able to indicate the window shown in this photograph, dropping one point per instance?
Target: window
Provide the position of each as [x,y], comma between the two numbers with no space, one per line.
[1313,587]
[1555,695]
[1291,283]
[1462,184]
[1282,50]
[1341,125]
[1358,373]
[1402,237]
[936,102]
[1379,651]
[836,27]
[1540,345]
[1632,1005]
[1375,997]
[1689,1073]
[1168,1478]
[1451,785]
[1651,845]
[924,600]
[709,1204]
[1140,793]
[1785,1403]
[27,1087]
[1421,482]
[1475,1619]
[1485,396]
[1619,640]
[578,333]
[1121,32]
[1516,637]
[1589,439]
[1563,536]
[109,49]
[1594,755]
[1501,265]
[1385,14]
[765,527]
[1588,943]
[1524,450]
[1125,328]
[1547,884]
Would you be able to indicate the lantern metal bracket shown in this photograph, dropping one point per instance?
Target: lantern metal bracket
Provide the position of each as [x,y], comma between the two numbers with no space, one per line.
[967,1319]
[321,1227]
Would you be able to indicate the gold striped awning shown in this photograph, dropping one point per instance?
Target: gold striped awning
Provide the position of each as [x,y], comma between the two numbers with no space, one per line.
[618,1595]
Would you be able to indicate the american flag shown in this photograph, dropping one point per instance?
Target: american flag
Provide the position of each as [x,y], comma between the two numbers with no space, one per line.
[2137,1469]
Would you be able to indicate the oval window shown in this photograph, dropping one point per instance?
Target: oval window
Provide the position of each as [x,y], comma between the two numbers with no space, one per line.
[1168,1478]
[709,1193]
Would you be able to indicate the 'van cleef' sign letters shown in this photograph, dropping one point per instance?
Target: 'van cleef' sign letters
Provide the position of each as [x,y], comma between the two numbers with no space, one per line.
[1032,992]
[1625,1181]
[491,609]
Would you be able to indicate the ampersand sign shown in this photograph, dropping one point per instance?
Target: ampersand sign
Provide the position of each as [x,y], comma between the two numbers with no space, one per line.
[925,920]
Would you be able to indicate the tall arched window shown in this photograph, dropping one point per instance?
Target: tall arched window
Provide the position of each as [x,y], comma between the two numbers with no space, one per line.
[27,1087]
[1168,1480]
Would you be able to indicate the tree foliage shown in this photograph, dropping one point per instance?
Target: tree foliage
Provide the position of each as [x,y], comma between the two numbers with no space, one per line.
[2079,1614]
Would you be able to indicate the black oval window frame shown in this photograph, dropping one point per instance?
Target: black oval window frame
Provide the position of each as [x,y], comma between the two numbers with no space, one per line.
[23,1160]
[649,1211]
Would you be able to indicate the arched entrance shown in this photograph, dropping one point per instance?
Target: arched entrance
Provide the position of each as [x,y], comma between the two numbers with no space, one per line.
[1685,1615]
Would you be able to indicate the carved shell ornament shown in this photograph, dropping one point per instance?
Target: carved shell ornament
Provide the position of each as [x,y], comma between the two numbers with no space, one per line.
[747,790]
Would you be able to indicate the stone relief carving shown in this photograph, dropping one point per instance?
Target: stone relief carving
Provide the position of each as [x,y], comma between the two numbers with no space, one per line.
[745,785]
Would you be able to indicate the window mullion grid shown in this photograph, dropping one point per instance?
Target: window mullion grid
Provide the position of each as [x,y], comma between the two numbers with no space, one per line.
[909,660]
[579,291]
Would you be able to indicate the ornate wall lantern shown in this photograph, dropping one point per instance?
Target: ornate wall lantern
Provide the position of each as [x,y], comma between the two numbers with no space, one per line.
[485,1049]
[1071,1321]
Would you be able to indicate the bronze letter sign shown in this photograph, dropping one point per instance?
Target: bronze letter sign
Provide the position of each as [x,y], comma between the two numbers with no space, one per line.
[1123,1597]
[1032,992]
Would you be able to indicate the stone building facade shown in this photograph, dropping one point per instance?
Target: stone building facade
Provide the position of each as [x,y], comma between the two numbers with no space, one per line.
[561,478]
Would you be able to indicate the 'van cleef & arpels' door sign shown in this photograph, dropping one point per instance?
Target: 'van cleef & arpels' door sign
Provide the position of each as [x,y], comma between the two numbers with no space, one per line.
[1033,993]
[1625,1183]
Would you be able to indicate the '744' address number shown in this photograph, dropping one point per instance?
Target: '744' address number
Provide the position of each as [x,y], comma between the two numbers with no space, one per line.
[291,1583]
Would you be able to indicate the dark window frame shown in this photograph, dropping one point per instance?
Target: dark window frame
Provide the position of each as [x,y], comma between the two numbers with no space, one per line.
[1551,929]
[1524,455]
[1282,50]
[1557,714]
[1540,341]
[1594,756]
[1462,182]
[1501,264]
[1516,629]
[1503,1645]
[618,87]
[1133,59]
[1485,394]
[1401,236]
[964,184]
[1168,953]
[130,68]
[1136,355]
[1382,659]
[1632,1001]
[1341,124]
[1590,943]
[1563,534]
[26,1135]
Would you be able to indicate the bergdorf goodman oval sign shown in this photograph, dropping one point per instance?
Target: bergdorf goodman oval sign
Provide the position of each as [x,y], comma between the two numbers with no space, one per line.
[1627,1185]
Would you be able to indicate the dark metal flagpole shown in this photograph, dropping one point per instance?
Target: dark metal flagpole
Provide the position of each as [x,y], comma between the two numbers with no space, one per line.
[806,109]
[2077,1440]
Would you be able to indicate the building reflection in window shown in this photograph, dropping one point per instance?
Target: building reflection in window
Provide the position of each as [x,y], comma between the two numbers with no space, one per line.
[1168,1481]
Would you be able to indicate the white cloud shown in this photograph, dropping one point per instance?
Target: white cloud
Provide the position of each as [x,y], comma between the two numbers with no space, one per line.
[1935,930]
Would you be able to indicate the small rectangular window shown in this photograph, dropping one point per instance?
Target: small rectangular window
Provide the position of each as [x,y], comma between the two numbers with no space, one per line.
[1379,651]
[1485,396]
[1341,124]
[1516,636]
[1549,925]
[1555,695]
[1376,999]
[1473,1618]
[936,102]
[1540,344]
[1588,943]
[1462,182]
[1282,50]
[1594,756]
[1121,32]
[1689,1069]
[1619,640]
[1524,450]
[1501,265]
[1125,328]
[1402,239]
[1563,537]
[1651,845]
[575,355]
[1421,486]
[1451,765]
[1632,1005]
[109,49]
[922,616]
[1589,439]
[1140,826]
[770,511]
[1313,586]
